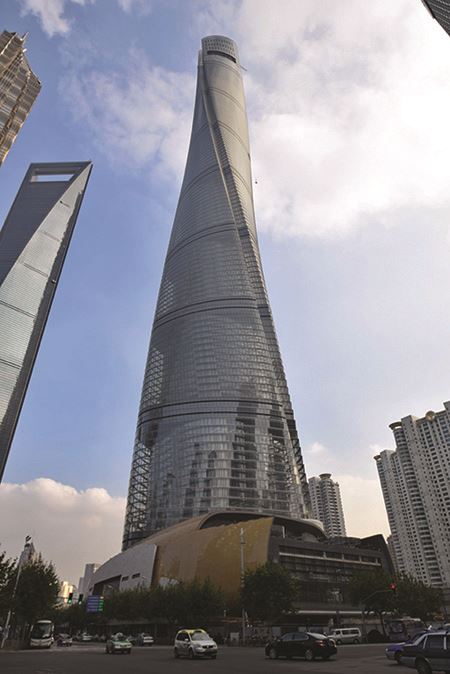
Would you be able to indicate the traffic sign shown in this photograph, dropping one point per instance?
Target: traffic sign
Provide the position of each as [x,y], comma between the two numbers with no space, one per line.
[95,604]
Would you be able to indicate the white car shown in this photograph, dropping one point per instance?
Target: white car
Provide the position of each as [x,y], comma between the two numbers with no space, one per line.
[346,635]
[118,643]
[145,639]
[194,644]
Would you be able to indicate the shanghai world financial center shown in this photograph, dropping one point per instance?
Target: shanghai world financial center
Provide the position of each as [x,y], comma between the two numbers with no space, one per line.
[216,429]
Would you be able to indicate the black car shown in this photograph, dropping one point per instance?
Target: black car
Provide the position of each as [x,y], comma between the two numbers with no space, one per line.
[429,653]
[308,645]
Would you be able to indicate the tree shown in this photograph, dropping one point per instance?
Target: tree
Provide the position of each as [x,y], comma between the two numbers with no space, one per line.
[416,599]
[193,603]
[268,591]
[37,591]
[371,590]
[7,577]
[411,597]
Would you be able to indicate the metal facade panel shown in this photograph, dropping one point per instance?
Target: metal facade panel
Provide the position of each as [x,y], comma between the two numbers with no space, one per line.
[440,10]
[33,245]
[216,428]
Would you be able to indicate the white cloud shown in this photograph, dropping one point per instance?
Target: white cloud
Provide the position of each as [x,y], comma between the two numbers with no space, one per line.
[50,14]
[137,114]
[142,7]
[349,101]
[363,506]
[316,448]
[348,105]
[69,527]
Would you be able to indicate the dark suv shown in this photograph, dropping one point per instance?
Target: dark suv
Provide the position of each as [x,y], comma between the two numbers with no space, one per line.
[430,653]
[307,645]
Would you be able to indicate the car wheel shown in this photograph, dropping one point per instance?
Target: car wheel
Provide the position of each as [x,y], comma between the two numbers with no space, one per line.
[175,652]
[273,654]
[423,667]
[356,641]
[191,654]
[309,655]
[129,651]
[398,658]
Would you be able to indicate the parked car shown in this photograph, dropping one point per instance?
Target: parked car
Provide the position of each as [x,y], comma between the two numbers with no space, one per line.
[346,635]
[85,637]
[395,651]
[194,644]
[145,639]
[64,640]
[118,643]
[308,645]
[429,653]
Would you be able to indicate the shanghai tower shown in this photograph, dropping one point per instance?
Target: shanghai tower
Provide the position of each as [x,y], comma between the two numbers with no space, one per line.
[216,429]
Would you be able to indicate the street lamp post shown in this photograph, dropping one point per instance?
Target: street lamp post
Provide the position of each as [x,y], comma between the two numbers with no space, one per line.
[242,544]
[16,584]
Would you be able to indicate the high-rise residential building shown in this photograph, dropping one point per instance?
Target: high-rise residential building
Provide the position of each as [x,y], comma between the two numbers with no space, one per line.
[19,88]
[86,579]
[33,245]
[216,429]
[65,590]
[439,10]
[415,480]
[326,504]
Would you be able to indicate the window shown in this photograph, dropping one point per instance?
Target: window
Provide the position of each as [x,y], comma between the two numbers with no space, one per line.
[221,53]
[301,636]
[435,642]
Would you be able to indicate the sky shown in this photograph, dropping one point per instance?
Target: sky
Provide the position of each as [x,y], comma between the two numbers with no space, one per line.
[348,105]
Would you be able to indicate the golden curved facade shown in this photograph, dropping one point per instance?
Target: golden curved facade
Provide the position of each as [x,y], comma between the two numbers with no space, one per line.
[186,551]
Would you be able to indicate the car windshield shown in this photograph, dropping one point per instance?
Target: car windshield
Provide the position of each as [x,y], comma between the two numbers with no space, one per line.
[200,636]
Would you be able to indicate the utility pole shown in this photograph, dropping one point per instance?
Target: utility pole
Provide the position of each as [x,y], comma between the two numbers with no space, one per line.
[242,543]
[16,584]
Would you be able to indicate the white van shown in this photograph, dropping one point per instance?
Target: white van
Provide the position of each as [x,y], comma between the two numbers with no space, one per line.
[346,635]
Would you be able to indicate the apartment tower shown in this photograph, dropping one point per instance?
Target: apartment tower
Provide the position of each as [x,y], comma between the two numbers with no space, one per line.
[326,504]
[415,480]
[19,88]
[216,429]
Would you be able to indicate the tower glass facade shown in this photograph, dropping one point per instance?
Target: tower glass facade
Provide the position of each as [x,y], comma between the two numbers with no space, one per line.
[19,88]
[216,428]
[440,10]
[33,245]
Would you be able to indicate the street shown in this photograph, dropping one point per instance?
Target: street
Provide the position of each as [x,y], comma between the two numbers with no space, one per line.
[91,659]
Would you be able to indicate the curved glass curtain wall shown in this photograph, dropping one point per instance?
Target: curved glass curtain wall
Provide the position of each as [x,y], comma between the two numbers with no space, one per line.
[216,428]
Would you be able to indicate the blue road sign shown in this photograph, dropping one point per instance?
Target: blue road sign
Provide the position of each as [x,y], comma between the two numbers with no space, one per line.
[95,604]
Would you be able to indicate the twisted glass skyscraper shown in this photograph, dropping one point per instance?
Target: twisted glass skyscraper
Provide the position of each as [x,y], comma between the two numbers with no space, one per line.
[216,430]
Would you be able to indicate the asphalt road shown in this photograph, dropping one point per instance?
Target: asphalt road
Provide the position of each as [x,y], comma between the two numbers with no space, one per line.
[91,659]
